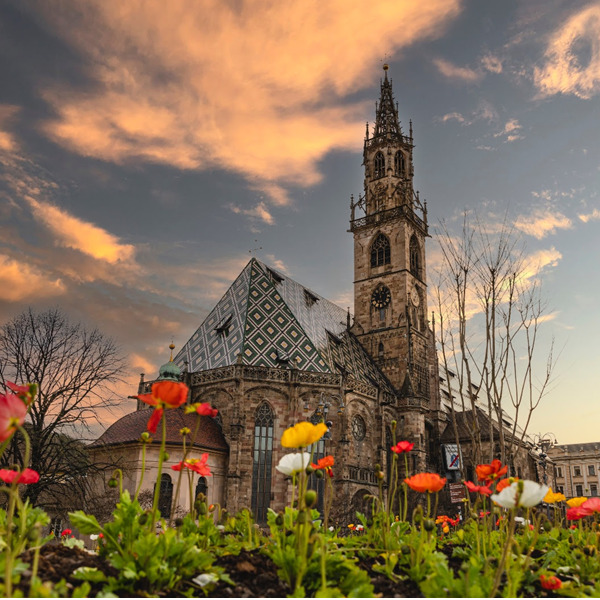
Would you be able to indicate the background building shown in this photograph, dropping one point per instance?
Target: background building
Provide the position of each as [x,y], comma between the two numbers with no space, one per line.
[576,468]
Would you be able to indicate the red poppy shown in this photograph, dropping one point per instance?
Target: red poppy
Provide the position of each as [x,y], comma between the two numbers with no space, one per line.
[401,447]
[591,506]
[27,476]
[197,465]
[575,513]
[66,532]
[490,472]
[206,410]
[12,415]
[325,463]
[483,514]
[479,489]
[550,582]
[426,482]
[169,394]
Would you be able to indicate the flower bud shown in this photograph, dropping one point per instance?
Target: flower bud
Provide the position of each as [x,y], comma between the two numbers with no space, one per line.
[279,519]
[429,524]
[309,470]
[145,438]
[319,474]
[378,467]
[201,496]
[405,549]
[112,483]
[165,456]
[185,431]
[394,425]
[310,498]
[302,517]
[202,509]
[143,519]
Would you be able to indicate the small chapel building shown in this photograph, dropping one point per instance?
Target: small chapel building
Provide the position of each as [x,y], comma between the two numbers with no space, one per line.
[273,352]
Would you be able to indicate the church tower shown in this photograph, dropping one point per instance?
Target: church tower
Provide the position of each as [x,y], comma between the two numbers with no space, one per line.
[390,283]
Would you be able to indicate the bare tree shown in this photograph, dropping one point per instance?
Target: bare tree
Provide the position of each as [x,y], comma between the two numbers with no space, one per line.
[74,369]
[491,310]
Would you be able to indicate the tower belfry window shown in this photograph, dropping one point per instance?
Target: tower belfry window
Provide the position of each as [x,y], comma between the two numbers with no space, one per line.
[379,165]
[399,166]
[415,257]
[380,251]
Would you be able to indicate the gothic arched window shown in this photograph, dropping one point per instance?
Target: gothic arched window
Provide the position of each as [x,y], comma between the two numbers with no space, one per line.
[380,251]
[201,486]
[318,451]
[415,257]
[399,164]
[381,350]
[379,165]
[165,496]
[262,461]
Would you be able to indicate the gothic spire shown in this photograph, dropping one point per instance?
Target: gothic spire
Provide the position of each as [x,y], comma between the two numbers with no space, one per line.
[386,120]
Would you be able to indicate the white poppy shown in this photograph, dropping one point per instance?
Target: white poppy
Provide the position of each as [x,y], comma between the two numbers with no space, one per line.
[293,463]
[532,494]
[205,579]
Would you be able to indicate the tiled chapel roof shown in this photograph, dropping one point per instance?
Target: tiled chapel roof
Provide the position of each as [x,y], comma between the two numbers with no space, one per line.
[129,428]
[271,320]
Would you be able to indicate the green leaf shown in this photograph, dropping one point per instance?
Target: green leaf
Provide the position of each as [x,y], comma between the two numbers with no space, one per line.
[85,523]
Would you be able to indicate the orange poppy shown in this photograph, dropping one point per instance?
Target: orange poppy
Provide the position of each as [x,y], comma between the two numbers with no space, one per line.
[170,394]
[490,472]
[325,463]
[425,482]
[500,485]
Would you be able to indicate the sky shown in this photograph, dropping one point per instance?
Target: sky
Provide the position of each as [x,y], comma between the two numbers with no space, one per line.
[148,150]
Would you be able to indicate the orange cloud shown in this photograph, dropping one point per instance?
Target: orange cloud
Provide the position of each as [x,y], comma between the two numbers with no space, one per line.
[72,232]
[593,216]
[564,72]
[20,281]
[256,90]
[451,71]
[542,222]
[8,142]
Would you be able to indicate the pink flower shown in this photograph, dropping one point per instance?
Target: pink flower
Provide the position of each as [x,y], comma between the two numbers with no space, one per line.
[591,506]
[25,392]
[27,476]
[12,415]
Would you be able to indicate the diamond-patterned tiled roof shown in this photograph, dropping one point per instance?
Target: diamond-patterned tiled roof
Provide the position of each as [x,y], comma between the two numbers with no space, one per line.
[271,320]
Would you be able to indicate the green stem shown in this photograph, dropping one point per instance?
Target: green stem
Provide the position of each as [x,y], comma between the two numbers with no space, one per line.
[507,545]
[163,444]
[178,487]
[139,487]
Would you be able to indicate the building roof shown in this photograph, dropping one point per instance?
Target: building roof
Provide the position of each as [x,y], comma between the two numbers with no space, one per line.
[270,320]
[129,428]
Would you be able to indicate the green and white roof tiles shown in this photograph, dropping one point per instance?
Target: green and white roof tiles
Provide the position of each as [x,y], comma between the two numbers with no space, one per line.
[273,321]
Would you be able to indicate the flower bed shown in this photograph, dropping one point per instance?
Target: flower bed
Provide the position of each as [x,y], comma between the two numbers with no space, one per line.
[514,542]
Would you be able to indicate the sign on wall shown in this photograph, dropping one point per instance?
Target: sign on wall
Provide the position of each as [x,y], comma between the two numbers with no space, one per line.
[452,456]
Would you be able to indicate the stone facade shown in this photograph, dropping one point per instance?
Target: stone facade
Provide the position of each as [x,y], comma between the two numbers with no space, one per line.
[272,352]
[576,468]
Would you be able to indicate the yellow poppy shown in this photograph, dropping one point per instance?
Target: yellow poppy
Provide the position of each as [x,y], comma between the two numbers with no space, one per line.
[552,498]
[574,502]
[303,434]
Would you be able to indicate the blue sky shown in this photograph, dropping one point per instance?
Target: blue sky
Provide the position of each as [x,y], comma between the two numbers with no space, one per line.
[146,147]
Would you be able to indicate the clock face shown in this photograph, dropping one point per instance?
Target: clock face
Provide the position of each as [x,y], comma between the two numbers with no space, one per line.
[381,297]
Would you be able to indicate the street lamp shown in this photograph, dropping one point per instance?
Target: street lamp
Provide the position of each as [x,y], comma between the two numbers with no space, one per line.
[323,407]
[543,443]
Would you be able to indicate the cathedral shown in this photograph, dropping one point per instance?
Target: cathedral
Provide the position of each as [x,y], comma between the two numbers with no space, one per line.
[273,352]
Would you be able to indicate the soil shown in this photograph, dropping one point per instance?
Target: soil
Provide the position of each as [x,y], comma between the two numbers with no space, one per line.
[58,562]
[254,574]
